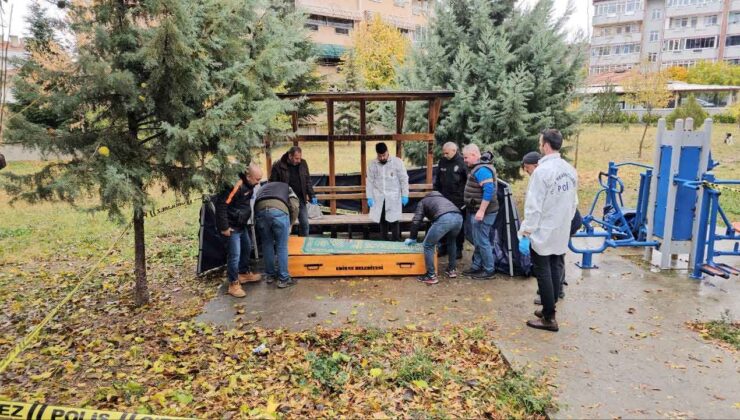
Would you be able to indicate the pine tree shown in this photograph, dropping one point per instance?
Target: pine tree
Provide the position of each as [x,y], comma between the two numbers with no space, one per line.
[157,92]
[512,71]
[348,113]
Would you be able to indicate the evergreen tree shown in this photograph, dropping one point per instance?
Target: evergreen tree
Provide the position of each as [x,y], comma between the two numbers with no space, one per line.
[157,92]
[512,71]
[348,113]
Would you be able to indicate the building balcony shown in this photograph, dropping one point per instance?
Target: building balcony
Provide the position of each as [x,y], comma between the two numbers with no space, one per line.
[732,52]
[733,29]
[602,20]
[342,10]
[606,60]
[690,10]
[616,39]
[735,5]
[699,31]
[702,54]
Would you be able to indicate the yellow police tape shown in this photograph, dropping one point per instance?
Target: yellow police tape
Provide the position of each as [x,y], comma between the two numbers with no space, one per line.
[38,411]
[30,337]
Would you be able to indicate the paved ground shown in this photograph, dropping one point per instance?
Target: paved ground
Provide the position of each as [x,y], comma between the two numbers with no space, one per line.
[623,349]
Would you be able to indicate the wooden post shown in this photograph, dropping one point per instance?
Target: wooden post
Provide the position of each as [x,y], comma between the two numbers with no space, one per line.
[363,152]
[434,107]
[332,169]
[294,120]
[400,115]
[268,156]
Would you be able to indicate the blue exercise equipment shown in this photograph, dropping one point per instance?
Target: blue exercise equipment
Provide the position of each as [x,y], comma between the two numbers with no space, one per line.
[677,207]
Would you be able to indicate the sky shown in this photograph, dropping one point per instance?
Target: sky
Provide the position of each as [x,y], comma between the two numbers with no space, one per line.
[578,21]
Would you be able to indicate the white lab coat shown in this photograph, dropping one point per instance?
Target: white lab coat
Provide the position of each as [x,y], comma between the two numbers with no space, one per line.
[552,199]
[387,184]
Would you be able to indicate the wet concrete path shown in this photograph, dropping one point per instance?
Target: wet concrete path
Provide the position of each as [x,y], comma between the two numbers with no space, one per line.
[623,349]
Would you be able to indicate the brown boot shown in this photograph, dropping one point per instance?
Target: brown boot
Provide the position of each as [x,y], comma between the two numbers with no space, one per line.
[544,324]
[538,313]
[235,289]
[249,277]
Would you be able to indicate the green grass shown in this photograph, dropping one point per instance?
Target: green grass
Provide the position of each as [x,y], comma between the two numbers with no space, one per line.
[724,330]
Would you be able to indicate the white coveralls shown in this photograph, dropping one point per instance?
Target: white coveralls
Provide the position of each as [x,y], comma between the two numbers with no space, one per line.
[387,184]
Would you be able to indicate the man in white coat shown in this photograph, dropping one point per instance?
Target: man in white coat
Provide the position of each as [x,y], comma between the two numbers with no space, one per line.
[387,191]
[551,202]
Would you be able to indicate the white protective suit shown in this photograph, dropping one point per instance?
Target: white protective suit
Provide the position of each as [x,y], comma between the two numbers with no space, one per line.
[552,199]
[387,184]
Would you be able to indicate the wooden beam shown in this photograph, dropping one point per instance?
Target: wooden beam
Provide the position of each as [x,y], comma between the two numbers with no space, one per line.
[343,188]
[332,157]
[369,96]
[294,121]
[434,107]
[429,137]
[268,156]
[400,115]
[363,152]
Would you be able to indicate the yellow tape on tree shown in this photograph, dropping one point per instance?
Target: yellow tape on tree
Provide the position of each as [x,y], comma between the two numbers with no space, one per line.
[37,411]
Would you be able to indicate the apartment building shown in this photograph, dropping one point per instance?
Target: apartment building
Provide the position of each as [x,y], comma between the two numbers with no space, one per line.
[663,33]
[331,23]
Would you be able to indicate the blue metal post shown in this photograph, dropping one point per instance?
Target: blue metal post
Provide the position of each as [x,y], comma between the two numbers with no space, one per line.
[701,239]
[712,225]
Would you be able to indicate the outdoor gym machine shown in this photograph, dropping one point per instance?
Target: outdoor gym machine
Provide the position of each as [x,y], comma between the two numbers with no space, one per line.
[671,215]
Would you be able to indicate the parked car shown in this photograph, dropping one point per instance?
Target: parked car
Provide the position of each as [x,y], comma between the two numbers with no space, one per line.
[705,104]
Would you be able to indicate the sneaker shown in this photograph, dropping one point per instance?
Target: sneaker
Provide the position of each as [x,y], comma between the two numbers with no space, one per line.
[249,277]
[282,284]
[235,289]
[544,324]
[483,275]
[471,271]
[428,279]
[451,274]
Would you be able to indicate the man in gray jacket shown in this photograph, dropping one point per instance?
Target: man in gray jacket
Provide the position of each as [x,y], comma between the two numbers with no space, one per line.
[446,221]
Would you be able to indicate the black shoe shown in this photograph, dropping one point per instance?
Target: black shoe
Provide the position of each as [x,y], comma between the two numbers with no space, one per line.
[282,284]
[268,278]
[470,272]
[483,275]
[544,324]
[538,300]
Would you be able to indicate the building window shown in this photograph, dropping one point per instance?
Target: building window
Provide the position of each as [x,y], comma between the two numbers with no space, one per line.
[733,40]
[672,45]
[311,26]
[657,14]
[700,43]
[400,3]
[624,7]
[341,31]
[734,18]
[710,20]
[654,36]
[692,2]
[652,57]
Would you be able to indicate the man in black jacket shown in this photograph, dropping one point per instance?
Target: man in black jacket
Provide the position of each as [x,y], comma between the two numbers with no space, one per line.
[293,170]
[447,222]
[233,211]
[452,173]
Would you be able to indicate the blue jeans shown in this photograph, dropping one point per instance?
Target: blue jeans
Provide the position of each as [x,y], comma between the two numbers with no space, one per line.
[481,236]
[446,226]
[274,228]
[238,248]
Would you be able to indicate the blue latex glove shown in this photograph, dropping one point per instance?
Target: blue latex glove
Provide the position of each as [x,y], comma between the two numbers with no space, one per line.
[409,242]
[404,200]
[315,201]
[524,245]
[370,202]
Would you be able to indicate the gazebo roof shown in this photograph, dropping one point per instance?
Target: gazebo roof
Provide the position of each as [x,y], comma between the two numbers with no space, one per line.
[405,95]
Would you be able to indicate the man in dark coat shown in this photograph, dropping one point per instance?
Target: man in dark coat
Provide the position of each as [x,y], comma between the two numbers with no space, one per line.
[447,222]
[452,174]
[293,170]
[233,211]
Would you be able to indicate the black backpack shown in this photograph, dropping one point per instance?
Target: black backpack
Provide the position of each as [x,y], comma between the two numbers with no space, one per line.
[2,161]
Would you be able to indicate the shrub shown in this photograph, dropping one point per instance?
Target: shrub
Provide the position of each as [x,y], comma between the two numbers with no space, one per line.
[724,118]
[689,109]
[650,119]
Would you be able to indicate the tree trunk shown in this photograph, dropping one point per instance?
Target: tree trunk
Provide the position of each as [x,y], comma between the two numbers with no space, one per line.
[141,291]
[642,140]
[578,138]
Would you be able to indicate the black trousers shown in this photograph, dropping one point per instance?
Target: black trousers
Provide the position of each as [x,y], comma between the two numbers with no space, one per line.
[549,270]
[395,227]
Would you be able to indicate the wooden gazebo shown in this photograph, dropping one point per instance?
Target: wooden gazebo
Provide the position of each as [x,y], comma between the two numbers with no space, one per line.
[332,193]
